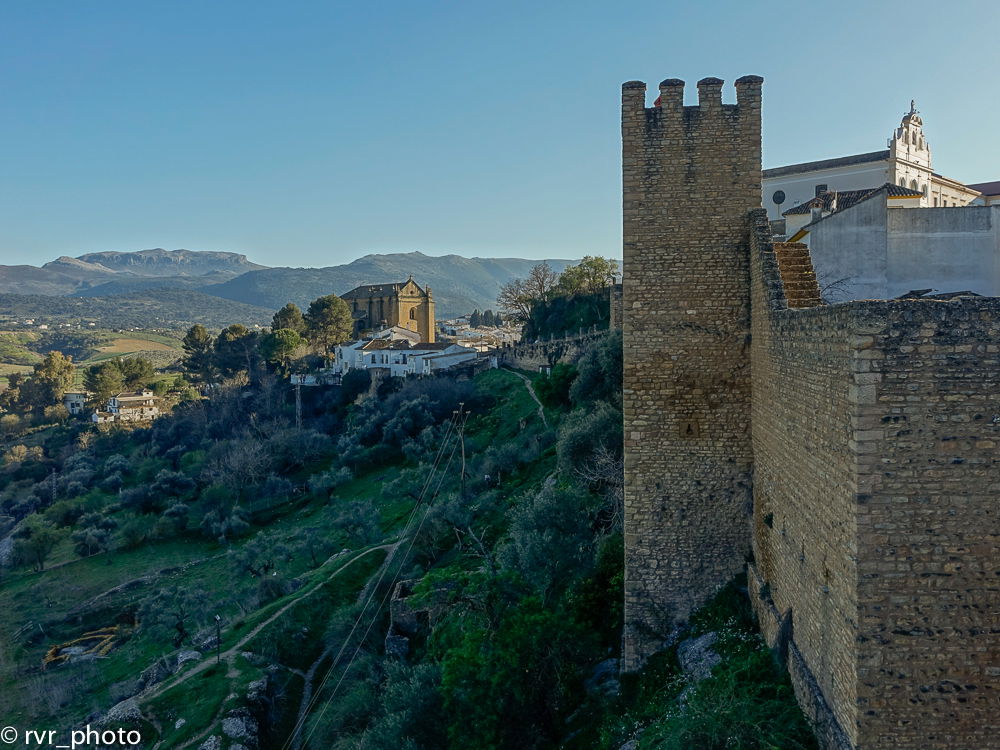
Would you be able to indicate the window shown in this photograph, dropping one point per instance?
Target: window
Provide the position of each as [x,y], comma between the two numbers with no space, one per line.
[935,201]
[821,188]
[413,313]
[913,184]
[778,197]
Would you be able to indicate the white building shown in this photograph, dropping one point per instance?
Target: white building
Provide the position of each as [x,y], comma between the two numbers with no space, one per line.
[800,218]
[872,251]
[138,406]
[989,193]
[906,162]
[399,358]
[75,401]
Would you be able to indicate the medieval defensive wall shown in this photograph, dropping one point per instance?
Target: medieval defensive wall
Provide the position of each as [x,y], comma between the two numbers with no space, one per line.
[845,455]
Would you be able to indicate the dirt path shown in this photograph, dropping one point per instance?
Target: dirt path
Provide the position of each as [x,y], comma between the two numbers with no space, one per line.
[531,392]
[310,676]
[155,691]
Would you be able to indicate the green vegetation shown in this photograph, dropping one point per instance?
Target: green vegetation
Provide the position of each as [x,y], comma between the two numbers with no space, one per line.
[500,533]
[555,305]
[151,308]
[747,703]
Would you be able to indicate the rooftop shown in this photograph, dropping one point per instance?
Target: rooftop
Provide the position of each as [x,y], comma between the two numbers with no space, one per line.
[839,200]
[987,188]
[812,166]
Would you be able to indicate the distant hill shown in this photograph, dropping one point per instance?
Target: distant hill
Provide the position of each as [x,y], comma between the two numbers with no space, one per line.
[160,262]
[459,284]
[68,275]
[154,308]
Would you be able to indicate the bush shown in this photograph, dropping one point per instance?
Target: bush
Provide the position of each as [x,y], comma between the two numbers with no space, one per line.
[582,433]
[553,389]
[599,373]
[325,482]
[551,542]
[531,668]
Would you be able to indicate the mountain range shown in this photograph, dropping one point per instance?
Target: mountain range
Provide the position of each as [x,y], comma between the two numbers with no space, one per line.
[459,284]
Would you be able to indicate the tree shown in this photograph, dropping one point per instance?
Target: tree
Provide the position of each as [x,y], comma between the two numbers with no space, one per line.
[104,381]
[172,613]
[35,542]
[49,381]
[328,323]
[518,296]
[199,353]
[488,319]
[590,275]
[513,297]
[541,282]
[136,371]
[235,350]
[290,317]
[279,346]
[261,555]
[476,319]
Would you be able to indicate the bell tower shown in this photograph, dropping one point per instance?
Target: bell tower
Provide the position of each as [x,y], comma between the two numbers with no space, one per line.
[910,154]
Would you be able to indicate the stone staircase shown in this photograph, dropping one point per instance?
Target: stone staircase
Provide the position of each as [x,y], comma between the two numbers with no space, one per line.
[797,275]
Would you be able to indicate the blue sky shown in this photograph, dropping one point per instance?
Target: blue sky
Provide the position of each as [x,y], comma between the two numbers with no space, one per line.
[310,133]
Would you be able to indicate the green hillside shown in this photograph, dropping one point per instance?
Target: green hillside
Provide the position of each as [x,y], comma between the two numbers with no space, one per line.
[154,308]
[417,563]
[460,285]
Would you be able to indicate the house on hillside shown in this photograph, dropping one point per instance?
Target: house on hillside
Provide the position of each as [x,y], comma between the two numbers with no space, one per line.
[399,357]
[75,401]
[129,406]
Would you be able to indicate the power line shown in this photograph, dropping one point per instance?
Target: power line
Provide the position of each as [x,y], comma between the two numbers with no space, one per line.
[293,736]
[459,420]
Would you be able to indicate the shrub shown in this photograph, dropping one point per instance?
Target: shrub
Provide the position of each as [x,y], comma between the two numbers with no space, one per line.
[553,389]
[583,432]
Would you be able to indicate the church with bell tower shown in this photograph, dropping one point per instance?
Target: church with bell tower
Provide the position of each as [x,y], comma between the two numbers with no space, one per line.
[906,163]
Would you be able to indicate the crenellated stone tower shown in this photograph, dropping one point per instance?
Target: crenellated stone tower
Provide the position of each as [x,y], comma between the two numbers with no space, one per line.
[691,174]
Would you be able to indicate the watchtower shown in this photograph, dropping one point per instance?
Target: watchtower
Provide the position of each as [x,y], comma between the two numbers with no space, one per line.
[690,176]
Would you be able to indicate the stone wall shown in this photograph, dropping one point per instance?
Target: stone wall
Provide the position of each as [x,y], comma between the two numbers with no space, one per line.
[532,355]
[875,533]
[928,533]
[868,438]
[690,175]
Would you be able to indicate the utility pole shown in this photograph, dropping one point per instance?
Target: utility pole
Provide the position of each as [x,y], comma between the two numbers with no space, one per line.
[218,639]
[461,441]
[298,404]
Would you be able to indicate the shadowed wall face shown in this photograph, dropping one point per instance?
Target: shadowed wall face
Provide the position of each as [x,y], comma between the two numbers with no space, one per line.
[690,175]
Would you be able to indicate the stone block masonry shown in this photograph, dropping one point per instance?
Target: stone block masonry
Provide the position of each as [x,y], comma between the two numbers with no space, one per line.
[875,434]
[690,175]
[867,435]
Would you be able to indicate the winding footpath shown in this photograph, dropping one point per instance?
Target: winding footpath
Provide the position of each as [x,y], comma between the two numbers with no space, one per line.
[154,691]
[531,392]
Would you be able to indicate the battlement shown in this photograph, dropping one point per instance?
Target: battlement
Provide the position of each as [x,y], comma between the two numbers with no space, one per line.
[670,102]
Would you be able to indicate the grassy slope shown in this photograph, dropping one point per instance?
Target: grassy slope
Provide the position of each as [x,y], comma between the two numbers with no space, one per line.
[19,349]
[47,604]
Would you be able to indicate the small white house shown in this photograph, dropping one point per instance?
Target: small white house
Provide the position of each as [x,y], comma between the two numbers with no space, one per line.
[137,406]
[75,401]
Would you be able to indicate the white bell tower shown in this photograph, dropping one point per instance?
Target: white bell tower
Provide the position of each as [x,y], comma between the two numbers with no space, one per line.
[910,154]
